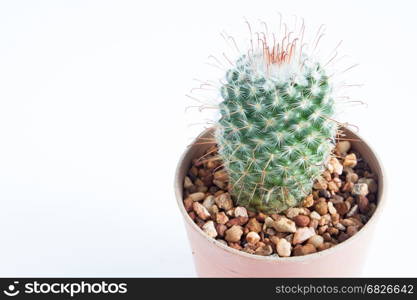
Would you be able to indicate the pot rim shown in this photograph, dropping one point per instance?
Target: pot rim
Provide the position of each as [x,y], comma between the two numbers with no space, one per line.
[380,203]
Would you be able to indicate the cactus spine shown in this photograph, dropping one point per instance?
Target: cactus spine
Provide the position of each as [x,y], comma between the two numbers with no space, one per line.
[276,130]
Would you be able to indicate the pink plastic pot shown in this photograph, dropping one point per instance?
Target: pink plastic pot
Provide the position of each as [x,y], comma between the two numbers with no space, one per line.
[213,259]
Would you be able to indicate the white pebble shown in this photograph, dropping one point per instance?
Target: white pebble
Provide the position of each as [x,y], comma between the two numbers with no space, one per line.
[331,208]
[284,225]
[208,202]
[316,240]
[209,229]
[283,248]
[302,234]
[241,212]
[252,238]
[360,189]
[315,215]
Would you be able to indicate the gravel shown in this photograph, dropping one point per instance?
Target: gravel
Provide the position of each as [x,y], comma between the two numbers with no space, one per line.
[342,201]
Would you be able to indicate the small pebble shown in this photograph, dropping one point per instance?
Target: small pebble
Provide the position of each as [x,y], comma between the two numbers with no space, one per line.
[320,184]
[208,202]
[188,204]
[316,240]
[292,212]
[330,207]
[363,204]
[308,201]
[284,225]
[224,201]
[209,229]
[234,234]
[321,207]
[342,208]
[188,183]
[348,186]
[315,215]
[201,211]
[221,175]
[360,189]
[254,225]
[350,160]
[371,183]
[332,186]
[221,218]
[342,237]
[314,223]
[220,228]
[351,230]
[325,194]
[343,147]
[283,248]
[340,226]
[220,184]
[302,234]
[301,220]
[252,238]
[336,166]
[352,177]
[304,250]
[264,250]
[352,211]
[241,212]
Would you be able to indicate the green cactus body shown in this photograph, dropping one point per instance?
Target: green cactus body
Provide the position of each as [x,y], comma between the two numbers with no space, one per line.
[275,133]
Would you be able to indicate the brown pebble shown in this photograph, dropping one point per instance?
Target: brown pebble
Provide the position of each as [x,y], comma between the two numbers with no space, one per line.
[220,228]
[221,218]
[342,237]
[237,221]
[324,246]
[308,201]
[351,230]
[333,231]
[327,237]
[188,204]
[348,186]
[221,175]
[350,160]
[321,207]
[342,208]
[201,211]
[322,229]
[363,204]
[254,225]
[352,177]
[335,218]
[304,250]
[301,220]
[332,186]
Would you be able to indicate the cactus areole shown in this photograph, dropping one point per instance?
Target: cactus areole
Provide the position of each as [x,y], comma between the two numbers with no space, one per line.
[276,130]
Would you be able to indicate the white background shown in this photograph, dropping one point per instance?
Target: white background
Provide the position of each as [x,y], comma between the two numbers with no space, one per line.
[92,124]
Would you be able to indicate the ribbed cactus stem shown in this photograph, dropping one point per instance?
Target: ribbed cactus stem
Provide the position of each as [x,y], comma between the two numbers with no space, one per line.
[276,130]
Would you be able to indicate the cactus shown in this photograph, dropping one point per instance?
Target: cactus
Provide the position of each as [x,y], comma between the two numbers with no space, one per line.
[276,130]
